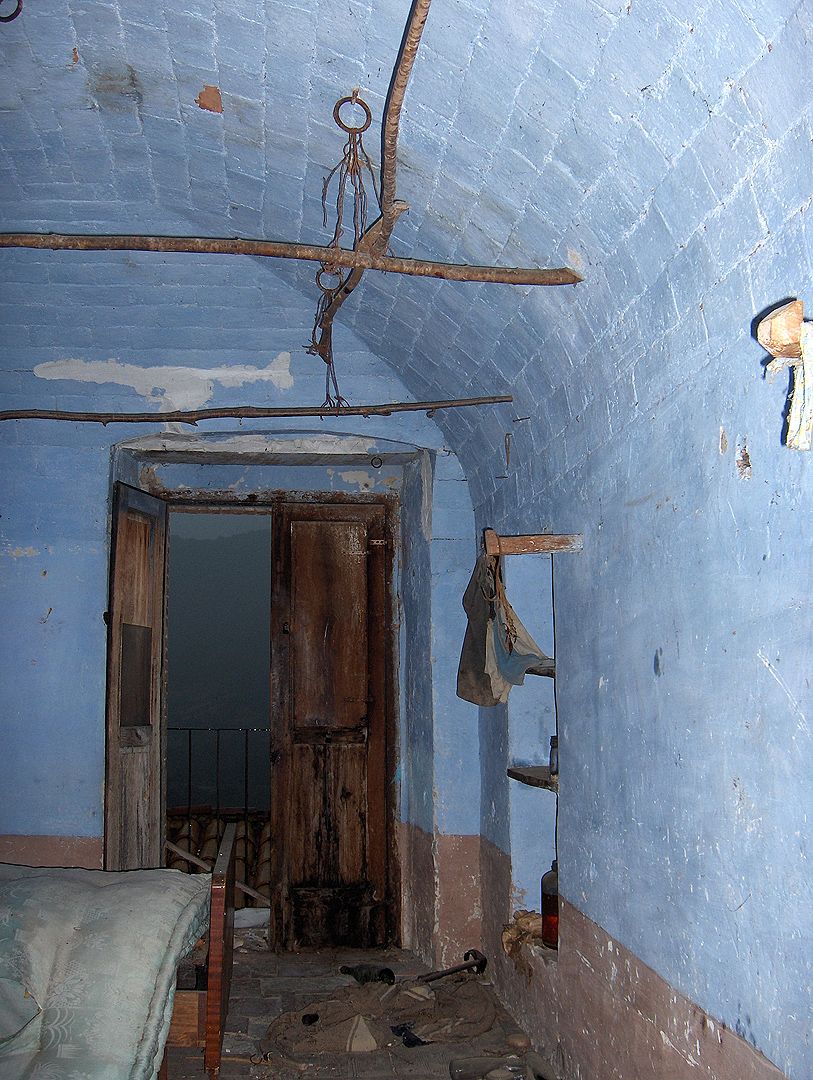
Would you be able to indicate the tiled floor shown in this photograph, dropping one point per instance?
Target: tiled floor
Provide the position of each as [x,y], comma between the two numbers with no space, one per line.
[266,985]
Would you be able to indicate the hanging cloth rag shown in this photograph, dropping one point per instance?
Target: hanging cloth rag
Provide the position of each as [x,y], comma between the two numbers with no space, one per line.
[511,652]
[473,681]
[497,651]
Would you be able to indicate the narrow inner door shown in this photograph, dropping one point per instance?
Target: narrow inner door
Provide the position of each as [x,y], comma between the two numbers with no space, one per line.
[329,734]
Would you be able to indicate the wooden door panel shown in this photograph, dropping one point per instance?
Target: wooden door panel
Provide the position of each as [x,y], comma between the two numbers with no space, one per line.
[331,809]
[305,813]
[346,804]
[329,657]
[134,784]
[134,561]
[136,847]
[329,623]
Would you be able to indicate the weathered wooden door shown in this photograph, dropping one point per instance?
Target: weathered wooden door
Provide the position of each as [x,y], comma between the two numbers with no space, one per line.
[330,801]
[134,788]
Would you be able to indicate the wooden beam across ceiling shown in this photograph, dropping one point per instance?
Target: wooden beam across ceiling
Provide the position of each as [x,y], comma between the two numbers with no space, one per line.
[275,249]
[251,412]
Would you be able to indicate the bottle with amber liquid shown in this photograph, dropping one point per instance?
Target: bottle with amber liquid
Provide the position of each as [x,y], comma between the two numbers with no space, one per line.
[550,907]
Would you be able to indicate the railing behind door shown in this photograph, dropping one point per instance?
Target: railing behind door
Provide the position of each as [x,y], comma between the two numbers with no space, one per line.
[214,776]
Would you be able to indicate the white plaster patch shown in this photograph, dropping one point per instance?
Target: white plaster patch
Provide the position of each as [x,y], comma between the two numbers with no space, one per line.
[20,553]
[337,445]
[173,387]
[238,483]
[363,479]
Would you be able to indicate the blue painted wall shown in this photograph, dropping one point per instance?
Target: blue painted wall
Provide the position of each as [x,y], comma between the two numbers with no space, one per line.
[684,632]
[532,713]
[666,152]
[55,523]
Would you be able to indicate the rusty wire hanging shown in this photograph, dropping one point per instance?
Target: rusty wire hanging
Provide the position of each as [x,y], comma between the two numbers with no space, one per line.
[351,169]
[350,180]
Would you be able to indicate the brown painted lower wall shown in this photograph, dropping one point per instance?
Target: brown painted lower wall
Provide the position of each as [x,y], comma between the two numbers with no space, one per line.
[596,1012]
[87,851]
[440,901]
[459,920]
[418,887]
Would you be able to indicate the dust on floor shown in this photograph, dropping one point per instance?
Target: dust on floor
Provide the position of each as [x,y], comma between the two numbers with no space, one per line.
[266,985]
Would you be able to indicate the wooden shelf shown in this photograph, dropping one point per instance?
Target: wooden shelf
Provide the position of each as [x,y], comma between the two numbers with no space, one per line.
[528,545]
[535,776]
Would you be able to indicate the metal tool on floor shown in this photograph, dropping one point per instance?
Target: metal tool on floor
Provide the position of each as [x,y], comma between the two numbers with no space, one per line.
[473,960]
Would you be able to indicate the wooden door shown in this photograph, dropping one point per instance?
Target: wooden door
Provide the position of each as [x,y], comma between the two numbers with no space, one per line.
[134,788]
[329,740]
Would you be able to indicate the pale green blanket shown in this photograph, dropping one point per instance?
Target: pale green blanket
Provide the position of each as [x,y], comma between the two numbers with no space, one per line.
[87,968]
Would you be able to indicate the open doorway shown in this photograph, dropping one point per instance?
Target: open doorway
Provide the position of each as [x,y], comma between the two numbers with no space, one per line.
[218,690]
[262,666]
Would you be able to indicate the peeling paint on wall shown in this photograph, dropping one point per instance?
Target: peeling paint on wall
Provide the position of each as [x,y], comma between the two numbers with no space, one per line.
[173,387]
[209,99]
[254,444]
[365,481]
[19,553]
[743,461]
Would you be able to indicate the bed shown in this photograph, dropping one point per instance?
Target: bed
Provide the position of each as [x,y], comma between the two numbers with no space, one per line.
[88,963]
[199,1015]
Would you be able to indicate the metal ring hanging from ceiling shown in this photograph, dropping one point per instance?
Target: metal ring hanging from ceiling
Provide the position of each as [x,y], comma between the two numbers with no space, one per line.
[353,99]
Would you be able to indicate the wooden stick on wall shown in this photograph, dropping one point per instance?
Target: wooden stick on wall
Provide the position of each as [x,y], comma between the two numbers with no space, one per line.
[530,544]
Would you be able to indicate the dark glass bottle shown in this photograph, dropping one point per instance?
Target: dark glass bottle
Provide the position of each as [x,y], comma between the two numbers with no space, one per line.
[550,907]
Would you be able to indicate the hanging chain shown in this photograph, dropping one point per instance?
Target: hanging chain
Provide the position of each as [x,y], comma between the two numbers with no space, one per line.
[350,173]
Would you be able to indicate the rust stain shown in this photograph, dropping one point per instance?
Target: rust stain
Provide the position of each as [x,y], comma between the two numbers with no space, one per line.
[209,99]
[75,59]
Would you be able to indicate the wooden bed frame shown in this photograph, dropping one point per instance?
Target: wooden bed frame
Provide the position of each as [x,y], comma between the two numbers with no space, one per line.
[199,1016]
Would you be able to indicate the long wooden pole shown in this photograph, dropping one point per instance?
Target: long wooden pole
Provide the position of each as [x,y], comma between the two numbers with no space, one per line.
[275,249]
[390,206]
[247,412]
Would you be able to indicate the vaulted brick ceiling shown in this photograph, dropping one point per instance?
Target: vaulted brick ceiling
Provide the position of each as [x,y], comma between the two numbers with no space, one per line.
[602,135]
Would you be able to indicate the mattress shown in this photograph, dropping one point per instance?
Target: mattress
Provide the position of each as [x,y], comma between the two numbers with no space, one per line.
[87,968]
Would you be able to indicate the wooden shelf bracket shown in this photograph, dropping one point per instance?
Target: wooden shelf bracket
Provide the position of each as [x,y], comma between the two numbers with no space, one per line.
[528,545]
[538,776]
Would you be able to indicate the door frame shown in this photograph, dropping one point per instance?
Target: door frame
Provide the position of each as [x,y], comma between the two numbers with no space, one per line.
[265,503]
